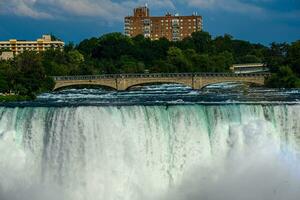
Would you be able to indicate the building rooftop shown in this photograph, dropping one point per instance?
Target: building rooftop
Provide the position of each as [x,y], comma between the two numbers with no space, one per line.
[45,38]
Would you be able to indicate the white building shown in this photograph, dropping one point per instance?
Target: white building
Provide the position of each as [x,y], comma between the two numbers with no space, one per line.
[249,68]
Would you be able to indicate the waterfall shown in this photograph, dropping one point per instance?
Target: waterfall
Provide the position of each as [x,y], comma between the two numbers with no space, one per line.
[236,152]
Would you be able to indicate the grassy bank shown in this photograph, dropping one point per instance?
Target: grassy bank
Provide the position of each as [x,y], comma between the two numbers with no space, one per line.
[12,98]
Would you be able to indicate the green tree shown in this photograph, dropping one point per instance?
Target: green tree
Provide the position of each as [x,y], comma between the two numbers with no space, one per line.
[57,62]
[4,87]
[276,56]
[75,57]
[113,46]
[130,65]
[162,66]
[293,57]
[202,62]
[250,59]
[223,43]
[69,47]
[178,59]
[222,62]
[31,73]
[284,78]
[202,41]
[88,46]
[241,48]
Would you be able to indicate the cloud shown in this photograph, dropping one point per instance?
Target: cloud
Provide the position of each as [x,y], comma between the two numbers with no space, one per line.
[115,10]
[227,5]
[22,7]
[270,9]
[106,9]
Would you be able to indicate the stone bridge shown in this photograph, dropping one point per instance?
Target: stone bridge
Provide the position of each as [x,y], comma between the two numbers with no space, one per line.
[126,81]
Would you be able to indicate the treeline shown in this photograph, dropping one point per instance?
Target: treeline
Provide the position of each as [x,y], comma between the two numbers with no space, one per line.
[25,75]
[29,73]
[284,62]
[116,53]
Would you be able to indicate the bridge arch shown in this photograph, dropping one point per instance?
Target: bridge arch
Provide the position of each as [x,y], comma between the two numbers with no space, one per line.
[246,83]
[187,81]
[157,83]
[67,85]
[202,82]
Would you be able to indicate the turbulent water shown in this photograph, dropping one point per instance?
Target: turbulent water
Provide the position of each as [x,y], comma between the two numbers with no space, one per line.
[236,151]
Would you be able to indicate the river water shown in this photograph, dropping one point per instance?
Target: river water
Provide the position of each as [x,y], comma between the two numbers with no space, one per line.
[154,142]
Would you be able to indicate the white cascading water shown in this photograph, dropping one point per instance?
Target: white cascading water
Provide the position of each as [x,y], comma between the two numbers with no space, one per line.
[236,152]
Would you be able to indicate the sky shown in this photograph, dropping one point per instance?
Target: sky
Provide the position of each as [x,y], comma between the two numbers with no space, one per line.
[259,21]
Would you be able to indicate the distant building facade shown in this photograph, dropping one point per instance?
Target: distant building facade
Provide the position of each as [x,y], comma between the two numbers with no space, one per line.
[15,47]
[249,68]
[6,55]
[172,27]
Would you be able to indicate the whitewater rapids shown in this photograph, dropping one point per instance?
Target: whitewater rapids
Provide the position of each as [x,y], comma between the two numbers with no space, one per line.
[196,152]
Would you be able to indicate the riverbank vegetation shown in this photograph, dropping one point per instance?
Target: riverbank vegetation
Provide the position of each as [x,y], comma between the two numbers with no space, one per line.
[24,77]
[29,73]
[10,98]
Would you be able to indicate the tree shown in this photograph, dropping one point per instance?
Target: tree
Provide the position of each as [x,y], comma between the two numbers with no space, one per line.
[223,43]
[284,78]
[55,38]
[202,62]
[131,65]
[69,47]
[222,62]
[250,59]
[75,57]
[178,59]
[107,66]
[88,46]
[241,48]
[31,73]
[201,41]
[113,46]
[4,87]
[293,57]
[276,56]
[142,49]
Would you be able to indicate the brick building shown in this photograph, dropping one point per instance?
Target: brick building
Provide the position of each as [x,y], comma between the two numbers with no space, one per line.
[172,27]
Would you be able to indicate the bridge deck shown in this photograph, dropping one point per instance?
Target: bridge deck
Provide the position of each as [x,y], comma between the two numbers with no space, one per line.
[156,75]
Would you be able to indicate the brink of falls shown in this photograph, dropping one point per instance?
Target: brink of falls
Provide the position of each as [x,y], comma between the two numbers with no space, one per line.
[197,152]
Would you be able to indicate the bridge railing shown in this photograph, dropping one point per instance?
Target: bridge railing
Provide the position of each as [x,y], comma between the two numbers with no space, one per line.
[156,75]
